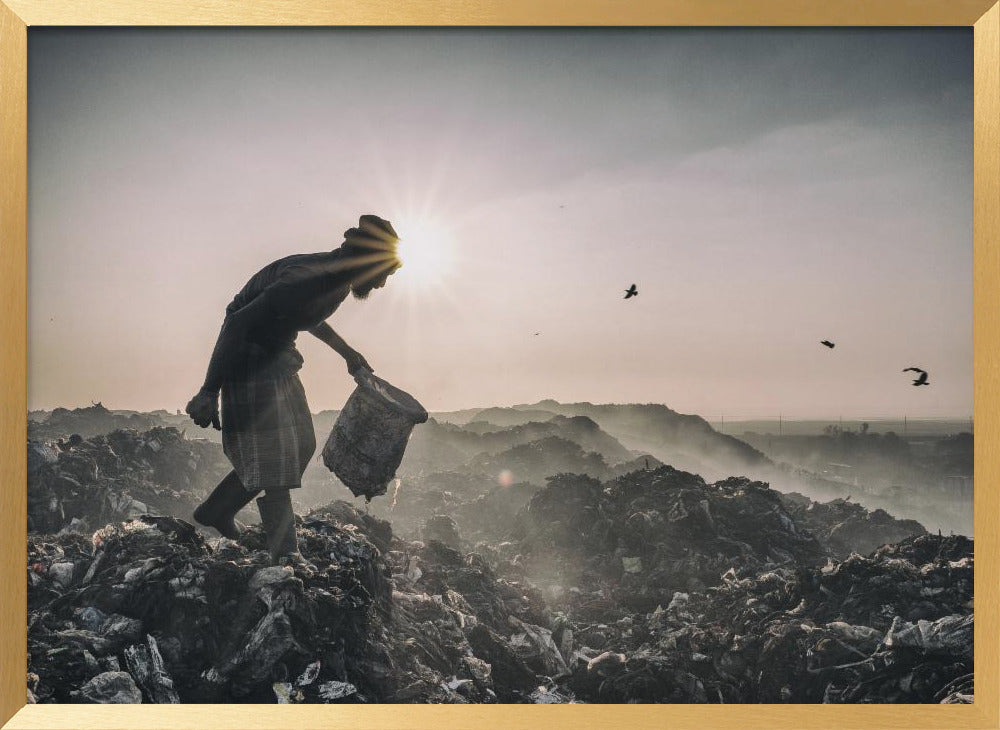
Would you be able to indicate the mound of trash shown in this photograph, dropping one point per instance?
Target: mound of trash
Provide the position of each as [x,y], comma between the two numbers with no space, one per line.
[90,421]
[493,514]
[87,483]
[648,534]
[148,608]
[535,460]
[847,527]
[653,587]
[149,611]
[896,626]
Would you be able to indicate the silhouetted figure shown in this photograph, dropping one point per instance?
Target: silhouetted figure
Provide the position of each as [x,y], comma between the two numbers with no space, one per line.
[631,292]
[827,343]
[266,425]
[921,379]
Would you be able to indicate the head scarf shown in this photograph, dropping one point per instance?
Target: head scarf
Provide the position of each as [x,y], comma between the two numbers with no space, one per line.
[372,234]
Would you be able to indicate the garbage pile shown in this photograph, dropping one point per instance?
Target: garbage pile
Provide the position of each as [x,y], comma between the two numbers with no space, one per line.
[90,421]
[847,527]
[483,509]
[493,515]
[896,626]
[653,587]
[149,611]
[83,484]
[535,460]
[460,633]
[648,534]
[413,499]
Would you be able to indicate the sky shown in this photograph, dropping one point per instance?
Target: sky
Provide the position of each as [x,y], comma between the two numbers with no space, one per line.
[764,189]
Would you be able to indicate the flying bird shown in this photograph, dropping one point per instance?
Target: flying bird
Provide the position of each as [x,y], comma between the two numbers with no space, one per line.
[537,333]
[921,379]
[631,292]
[827,343]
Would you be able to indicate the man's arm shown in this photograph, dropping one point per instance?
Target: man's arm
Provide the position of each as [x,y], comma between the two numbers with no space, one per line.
[355,360]
[204,407]
[230,342]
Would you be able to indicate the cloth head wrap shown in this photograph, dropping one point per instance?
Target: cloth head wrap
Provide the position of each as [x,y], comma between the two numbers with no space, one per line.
[373,234]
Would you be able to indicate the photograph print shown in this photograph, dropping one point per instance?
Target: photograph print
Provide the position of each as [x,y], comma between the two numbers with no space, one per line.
[500,365]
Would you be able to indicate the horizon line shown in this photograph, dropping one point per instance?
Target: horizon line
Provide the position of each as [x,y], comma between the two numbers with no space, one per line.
[881,418]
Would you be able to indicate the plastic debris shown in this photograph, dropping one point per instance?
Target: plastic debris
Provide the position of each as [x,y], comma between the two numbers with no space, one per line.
[110,688]
[654,586]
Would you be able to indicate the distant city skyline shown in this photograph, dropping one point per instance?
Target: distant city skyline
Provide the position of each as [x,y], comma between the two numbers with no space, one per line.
[765,189]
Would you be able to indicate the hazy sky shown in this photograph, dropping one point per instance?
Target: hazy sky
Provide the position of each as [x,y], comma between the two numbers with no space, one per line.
[765,189]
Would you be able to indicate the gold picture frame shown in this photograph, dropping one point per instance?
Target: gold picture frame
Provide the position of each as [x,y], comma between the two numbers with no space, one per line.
[15,18]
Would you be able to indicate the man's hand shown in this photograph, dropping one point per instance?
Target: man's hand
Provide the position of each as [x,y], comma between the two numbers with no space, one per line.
[356,361]
[204,410]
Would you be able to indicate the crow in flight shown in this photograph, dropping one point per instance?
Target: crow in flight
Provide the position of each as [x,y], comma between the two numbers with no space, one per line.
[921,379]
[631,292]
[827,343]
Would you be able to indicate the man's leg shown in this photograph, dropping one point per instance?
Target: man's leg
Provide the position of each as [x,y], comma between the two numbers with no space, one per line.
[275,506]
[278,520]
[220,508]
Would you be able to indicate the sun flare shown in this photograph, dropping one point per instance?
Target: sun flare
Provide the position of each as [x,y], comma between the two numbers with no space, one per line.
[427,249]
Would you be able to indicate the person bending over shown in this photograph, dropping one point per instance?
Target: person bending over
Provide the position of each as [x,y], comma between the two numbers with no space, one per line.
[267,430]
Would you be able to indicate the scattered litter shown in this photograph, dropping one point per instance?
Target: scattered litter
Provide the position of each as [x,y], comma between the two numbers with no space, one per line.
[654,586]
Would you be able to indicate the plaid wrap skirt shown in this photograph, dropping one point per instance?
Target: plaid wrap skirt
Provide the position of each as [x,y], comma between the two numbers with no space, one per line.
[267,430]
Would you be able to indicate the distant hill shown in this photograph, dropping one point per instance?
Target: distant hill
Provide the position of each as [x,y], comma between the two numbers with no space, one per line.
[323,424]
[534,461]
[87,422]
[579,429]
[613,431]
[687,442]
[512,416]
[436,446]
[603,440]
[457,417]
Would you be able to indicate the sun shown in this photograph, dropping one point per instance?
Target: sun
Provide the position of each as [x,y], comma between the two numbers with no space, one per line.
[427,249]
